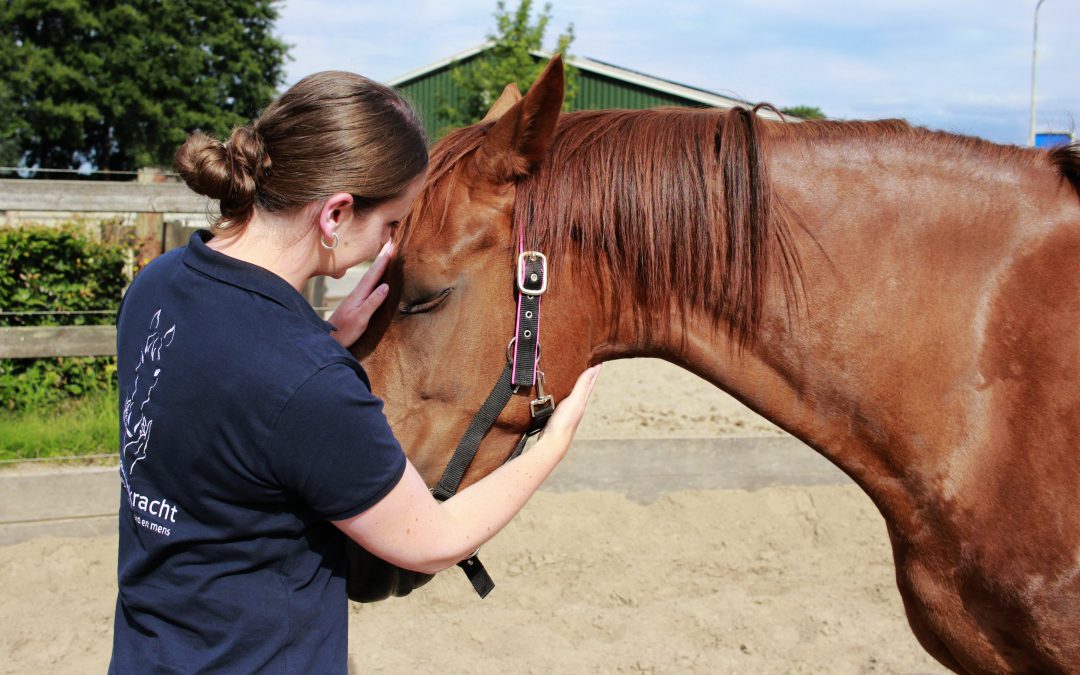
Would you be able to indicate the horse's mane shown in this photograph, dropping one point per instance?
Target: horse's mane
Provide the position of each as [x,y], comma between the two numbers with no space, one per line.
[1066,158]
[638,191]
[675,204]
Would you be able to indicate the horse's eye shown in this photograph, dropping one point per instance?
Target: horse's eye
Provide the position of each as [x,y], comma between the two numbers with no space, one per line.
[425,304]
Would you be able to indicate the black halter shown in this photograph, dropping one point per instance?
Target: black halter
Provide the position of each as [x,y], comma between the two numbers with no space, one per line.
[519,376]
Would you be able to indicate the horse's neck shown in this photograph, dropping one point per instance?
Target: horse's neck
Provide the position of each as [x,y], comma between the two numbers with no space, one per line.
[879,368]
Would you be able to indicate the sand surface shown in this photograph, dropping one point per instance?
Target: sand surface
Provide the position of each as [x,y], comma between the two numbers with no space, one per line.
[778,580]
[649,398]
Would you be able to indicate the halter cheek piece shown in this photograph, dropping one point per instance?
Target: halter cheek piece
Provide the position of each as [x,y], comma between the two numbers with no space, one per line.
[519,376]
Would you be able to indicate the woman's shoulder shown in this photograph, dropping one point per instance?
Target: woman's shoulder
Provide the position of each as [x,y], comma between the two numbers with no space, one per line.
[156,270]
[288,351]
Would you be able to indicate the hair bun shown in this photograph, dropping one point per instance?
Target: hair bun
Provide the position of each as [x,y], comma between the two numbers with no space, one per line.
[227,172]
[201,163]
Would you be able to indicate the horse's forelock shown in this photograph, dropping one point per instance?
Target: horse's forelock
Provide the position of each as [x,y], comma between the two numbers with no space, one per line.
[433,202]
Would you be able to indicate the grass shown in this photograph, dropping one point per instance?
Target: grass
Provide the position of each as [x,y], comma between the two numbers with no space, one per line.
[86,426]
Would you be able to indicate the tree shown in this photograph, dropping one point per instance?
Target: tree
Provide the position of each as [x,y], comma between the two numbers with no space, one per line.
[119,85]
[509,59]
[806,112]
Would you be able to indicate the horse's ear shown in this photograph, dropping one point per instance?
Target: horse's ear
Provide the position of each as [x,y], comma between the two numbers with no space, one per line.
[509,96]
[518,141]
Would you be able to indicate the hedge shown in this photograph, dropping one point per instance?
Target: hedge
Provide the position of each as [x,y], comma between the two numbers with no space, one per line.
[57,269]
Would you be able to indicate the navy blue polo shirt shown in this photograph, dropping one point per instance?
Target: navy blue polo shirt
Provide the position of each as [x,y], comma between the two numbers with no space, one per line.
[244,429]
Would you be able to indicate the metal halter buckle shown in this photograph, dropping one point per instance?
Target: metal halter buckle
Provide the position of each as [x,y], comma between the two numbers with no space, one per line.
[520,276]
[510,350]
[543,403]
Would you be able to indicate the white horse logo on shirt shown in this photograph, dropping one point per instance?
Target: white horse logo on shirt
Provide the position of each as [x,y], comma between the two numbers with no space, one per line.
[137,429]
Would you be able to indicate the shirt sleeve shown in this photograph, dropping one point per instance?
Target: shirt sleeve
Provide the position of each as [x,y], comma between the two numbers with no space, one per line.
[332,445]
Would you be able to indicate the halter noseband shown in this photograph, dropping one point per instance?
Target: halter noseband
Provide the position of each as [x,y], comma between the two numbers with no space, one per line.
[519,375]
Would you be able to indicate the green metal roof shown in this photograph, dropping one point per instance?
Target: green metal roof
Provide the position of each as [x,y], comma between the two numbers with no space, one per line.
[600,85]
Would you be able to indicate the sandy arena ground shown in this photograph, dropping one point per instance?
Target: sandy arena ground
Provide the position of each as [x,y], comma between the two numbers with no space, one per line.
[779,580]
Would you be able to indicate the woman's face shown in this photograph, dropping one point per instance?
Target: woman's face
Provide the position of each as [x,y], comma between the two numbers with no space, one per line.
[367,232]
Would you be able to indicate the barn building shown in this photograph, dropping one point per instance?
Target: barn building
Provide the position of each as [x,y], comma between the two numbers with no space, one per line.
[600,85]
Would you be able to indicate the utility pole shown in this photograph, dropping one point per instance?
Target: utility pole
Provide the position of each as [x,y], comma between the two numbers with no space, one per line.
[1034,56]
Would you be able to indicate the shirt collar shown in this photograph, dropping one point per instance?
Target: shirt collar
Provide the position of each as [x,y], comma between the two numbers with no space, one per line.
[201,257]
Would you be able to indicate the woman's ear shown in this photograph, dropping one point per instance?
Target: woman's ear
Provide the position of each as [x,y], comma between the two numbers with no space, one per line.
[336,211]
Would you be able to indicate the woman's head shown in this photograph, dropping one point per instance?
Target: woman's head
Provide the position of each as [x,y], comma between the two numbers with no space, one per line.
[332,132]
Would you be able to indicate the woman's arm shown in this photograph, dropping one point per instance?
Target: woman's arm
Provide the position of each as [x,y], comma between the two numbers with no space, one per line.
[410,529]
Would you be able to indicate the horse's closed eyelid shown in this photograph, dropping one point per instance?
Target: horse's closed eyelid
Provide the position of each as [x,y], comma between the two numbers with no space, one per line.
[426,304]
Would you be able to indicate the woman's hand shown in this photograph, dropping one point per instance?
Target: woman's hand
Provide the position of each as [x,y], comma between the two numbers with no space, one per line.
[352,315]
[410,529]
[564,421]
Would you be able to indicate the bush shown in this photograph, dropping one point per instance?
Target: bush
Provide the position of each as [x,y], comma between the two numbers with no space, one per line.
[57,269]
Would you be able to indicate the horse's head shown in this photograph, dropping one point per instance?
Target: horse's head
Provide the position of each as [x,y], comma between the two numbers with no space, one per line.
[439,343]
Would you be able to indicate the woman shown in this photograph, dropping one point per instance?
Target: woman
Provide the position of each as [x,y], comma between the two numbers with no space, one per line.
[251,443]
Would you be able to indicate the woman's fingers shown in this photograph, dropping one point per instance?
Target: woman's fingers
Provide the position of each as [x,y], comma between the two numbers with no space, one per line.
[368,282]
[568,413]
[352,315]
[352,322]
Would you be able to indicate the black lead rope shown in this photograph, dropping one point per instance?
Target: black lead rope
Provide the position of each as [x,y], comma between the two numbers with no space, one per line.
[481,424]
[530,283]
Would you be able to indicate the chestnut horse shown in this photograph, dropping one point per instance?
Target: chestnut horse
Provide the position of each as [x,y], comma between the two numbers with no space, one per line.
[906,302]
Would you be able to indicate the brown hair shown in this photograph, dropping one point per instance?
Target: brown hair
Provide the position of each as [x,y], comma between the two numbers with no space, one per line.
[330,132]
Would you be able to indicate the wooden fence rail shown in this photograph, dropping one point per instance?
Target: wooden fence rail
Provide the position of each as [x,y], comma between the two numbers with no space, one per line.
[77,196]
[49,341]
[100,197]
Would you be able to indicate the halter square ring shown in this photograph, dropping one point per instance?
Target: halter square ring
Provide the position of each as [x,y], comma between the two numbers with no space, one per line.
[520,277]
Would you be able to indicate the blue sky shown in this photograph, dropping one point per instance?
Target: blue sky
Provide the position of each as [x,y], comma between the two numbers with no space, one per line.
[957,65]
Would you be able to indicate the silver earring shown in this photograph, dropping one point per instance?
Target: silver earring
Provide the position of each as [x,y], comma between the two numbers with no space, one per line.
[331,246]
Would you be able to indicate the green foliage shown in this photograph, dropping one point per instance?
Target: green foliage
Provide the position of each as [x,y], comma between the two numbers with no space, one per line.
[83,426]
[57,270]
[42,384]
[481,80]
[121,84]
[807,112]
